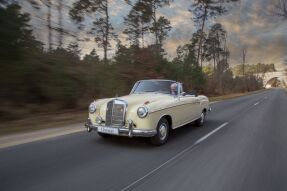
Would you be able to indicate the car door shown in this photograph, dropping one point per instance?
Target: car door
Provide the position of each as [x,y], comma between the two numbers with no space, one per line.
[190,107]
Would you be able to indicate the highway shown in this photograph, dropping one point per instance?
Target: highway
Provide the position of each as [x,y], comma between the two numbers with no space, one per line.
[242,147]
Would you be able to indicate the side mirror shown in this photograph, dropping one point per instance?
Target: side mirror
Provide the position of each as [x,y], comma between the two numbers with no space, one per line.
[194,92]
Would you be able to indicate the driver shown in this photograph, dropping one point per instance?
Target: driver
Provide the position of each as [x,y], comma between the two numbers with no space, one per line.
[173,88]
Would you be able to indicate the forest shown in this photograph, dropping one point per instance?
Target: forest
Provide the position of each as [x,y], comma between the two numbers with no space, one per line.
[40,77]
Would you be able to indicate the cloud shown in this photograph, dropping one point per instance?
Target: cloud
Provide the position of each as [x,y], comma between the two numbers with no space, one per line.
[253,26]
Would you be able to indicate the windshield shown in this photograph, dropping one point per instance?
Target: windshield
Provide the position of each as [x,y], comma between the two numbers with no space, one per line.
[156,86]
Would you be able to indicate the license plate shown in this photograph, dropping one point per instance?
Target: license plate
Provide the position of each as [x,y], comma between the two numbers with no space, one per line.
[108,130]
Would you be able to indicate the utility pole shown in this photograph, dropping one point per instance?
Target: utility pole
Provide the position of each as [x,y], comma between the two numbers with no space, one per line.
[244,52]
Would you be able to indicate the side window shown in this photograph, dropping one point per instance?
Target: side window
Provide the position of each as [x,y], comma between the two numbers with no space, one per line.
[182,88]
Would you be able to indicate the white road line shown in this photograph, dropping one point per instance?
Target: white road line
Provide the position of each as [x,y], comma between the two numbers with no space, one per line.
[211,133]
[256,103]
[175,157]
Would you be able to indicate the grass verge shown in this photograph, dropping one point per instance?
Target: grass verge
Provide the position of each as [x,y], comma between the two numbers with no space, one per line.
[42,121]
[234,95]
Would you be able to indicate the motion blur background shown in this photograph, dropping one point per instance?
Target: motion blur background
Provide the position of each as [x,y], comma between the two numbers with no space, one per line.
[58,55]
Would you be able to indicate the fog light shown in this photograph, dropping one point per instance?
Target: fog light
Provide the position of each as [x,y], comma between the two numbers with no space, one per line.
[99,120]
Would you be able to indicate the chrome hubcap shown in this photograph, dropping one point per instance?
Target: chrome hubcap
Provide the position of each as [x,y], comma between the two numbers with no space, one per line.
[162,131]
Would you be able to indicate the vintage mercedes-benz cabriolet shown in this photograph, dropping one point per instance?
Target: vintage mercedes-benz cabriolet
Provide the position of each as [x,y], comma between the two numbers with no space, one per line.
[152,109]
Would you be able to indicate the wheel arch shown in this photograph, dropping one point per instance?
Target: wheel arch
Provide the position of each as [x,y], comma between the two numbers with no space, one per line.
[204,110]
[168,118]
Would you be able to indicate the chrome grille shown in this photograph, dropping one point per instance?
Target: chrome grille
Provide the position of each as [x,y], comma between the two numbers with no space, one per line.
[109,113]
[115,114]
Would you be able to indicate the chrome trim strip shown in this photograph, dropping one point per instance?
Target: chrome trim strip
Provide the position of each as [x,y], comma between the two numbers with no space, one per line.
[153,111]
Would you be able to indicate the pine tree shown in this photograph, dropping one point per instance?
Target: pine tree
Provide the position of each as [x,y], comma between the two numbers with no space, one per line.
[215,44]
[74,49]
[16,35]
[155,5]
[138,22]
[102,29]
[202,10]
[132,23]
[92,58]
[161,28]
[280,8]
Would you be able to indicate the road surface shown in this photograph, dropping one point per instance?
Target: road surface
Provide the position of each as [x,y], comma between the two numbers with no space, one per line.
[243,146]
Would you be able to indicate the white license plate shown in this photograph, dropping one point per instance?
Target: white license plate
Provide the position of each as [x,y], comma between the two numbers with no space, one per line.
[108,130]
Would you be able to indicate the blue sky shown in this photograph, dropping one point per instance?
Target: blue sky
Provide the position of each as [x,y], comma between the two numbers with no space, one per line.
[248,23]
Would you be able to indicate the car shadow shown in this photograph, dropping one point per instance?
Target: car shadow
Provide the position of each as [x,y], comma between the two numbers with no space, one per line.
[126,142]
[187,132]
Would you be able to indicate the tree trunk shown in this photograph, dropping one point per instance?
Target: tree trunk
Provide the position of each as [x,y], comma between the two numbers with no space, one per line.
[142,33]
[199,56]
[155,23]
[243,60]
[60,21]
[226,52]
[107,33]
[214,60]
[49,4]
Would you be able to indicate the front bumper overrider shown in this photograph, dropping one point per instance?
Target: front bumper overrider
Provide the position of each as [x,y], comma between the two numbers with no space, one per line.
[129,131]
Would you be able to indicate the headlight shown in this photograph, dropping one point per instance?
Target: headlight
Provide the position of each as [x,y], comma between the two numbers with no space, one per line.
[92,107]
[142,112]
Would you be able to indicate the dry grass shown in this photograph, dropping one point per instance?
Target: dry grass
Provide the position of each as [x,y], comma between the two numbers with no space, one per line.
[235,95]
[43,121]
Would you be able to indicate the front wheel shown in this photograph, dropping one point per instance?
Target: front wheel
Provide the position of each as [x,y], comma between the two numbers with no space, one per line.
[162,133]
[200,121]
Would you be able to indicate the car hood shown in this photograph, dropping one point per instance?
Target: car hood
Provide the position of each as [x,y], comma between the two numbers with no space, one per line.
[141,99]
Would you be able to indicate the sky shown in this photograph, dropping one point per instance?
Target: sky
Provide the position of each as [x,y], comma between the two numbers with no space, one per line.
[248,23]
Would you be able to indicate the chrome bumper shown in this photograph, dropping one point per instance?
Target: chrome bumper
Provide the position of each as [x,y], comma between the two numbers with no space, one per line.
[130,131]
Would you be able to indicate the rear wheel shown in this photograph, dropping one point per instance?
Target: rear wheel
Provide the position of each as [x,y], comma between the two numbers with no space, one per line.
[162,133]
[200,121]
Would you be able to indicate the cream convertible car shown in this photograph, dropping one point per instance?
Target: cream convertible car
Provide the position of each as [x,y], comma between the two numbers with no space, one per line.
[152,109]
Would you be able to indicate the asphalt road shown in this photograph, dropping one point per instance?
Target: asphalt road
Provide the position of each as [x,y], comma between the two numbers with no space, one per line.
[243,146]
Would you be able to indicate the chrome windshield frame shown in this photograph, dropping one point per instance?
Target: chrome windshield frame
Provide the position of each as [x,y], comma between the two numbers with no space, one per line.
[138,82]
